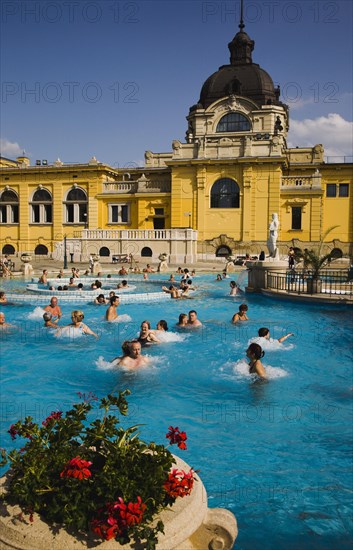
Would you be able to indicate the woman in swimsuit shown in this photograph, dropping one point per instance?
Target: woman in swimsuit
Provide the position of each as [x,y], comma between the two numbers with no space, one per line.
[183,320]
[255,353]
[241,314]
[146,337]
[77,317]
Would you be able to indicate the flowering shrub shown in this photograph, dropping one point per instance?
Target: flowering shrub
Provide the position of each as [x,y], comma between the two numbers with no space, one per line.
[95,476]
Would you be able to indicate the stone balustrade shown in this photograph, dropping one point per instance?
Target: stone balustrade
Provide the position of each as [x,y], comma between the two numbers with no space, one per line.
[301,183]
[140,234]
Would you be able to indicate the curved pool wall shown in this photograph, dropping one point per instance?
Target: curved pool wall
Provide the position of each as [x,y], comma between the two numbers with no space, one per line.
[278,455]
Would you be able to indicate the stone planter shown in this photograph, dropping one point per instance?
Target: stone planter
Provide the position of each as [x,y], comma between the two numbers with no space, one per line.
[313,286]
[26,258]
[188,525]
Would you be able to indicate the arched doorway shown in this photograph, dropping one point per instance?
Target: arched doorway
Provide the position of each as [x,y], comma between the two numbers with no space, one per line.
[104,252]
[8,249]
[146,252]
[223,251]
[41,250]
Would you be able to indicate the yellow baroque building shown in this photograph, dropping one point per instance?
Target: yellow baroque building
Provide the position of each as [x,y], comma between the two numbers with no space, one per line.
[212,195]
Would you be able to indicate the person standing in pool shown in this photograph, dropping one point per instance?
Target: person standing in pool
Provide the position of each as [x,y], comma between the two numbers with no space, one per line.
[147,336]
[112,312]
[255,354]
[132,357]
[54,309]
[43,279]
[77,325]
[241,314]
[234,289]
[193,321]
[183,320]
[47,317]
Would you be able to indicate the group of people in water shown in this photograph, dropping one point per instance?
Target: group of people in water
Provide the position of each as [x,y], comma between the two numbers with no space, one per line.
[132,356]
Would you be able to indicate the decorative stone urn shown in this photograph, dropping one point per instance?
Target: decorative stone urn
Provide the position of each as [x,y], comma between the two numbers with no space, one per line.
[26,267]
[188,525]
[163,265]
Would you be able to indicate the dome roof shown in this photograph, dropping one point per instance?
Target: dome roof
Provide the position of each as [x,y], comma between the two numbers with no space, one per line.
[241,77]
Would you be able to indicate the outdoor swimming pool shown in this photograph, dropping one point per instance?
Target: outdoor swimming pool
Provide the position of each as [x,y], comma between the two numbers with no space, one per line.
[278,455]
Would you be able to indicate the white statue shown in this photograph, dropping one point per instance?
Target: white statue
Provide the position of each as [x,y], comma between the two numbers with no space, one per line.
[272,238]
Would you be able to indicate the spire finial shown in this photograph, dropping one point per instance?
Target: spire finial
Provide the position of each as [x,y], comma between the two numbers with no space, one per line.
[241,24]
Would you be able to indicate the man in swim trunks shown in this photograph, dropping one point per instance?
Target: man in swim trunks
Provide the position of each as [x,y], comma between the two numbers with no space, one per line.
[264,336]
[43,279]
[134,358]
[54,309]
[112,313]
[193,320]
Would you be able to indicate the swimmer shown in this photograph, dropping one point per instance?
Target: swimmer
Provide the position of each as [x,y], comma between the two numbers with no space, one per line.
[162,326]
[241,314]
[219,277]
[54,309]
[123,271]
[183,320]
[47,317]
[112,313]
[255,353]
[3,323]
[193,321]
[234,289]
[123,284]
[111,293]
[172,290]
[77,317]
[43,279]
[100,299]
[145,276]
[148,269]
[3,299]
[147,336]
[265,334]
[186,275]
[132,357]
[171,278]
[60,274]
[72,281]
[75,273]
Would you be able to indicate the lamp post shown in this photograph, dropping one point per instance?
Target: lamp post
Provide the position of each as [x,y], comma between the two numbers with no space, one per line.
[65,253]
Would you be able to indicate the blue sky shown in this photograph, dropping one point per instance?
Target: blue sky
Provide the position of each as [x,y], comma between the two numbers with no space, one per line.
[113,79]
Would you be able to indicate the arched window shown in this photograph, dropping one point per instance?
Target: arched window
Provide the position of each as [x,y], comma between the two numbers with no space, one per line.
[8,206]
[225,194]
[76,206]
[41,250]
[104,251]
[233,122]
[336,253]
[8,249]
[223,252]
[146,252]
[41,207]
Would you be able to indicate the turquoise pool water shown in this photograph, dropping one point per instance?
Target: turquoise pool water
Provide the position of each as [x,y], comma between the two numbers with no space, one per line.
[278,455]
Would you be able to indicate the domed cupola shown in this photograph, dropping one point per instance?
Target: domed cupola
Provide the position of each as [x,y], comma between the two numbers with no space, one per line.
[242,77]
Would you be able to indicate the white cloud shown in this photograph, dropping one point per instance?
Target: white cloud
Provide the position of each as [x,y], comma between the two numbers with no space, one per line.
[8,149]
[333,131]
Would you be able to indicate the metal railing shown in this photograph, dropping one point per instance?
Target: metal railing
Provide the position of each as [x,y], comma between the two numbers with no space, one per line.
[329,282]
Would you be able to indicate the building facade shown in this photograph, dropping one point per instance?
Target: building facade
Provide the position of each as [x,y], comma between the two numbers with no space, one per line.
[212,195]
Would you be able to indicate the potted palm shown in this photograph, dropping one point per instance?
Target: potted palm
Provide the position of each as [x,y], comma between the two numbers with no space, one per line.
[314,262]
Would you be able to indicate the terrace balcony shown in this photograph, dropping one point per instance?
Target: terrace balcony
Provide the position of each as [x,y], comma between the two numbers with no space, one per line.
[301,183]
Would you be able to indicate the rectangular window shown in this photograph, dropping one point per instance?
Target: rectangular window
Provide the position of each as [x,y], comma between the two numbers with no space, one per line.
[296,217]
[70,213]
[47,213]
[35,213]
[118,213]
[159,211]
[343,190]
[3,213]
[331,190]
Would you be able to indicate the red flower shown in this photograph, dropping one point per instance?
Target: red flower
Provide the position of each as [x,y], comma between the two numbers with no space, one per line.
[13,431]
[179,483]
[77,468]
[175,436]
[131,513]
[53,416]
[116,518]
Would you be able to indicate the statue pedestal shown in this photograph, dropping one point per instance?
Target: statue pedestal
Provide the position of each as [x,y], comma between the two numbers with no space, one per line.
[163,266]
[258,271]
[26,269]
[96,268]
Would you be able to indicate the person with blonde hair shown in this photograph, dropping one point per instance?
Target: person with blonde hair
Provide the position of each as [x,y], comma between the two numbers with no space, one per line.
[77,326]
